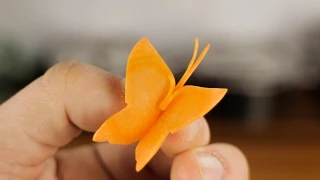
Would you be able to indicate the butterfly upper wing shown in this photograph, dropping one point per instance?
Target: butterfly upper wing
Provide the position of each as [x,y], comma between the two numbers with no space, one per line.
[148,81]
[188,104]
[148,77]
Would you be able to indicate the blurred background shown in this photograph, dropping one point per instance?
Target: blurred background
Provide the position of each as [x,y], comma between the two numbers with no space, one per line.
[267,52]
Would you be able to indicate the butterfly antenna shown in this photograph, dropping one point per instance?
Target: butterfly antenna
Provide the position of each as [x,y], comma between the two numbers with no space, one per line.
[194,55]
[193,63]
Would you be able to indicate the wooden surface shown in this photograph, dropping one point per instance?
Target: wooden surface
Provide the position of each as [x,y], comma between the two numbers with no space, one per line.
[276,157]
[286,148]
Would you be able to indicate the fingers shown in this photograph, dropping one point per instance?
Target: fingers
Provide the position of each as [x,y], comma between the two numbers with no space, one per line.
[90,94]
[195,135]
[214,162]
[99,162]
[54,109]
[120,159]
[81,163]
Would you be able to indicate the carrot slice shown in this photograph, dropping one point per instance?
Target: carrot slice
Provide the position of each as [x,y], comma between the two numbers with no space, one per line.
[189,104]
[147,75]
[127,126]
[148,82]
[155,106]
[150,144]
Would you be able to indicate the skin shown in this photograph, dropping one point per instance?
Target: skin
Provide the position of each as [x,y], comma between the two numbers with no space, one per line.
[72,97]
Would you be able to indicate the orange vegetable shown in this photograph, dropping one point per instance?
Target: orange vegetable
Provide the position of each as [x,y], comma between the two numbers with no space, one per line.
[156,106]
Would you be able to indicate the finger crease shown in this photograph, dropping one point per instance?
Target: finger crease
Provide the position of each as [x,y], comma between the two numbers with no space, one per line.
[58,172]
[104,166]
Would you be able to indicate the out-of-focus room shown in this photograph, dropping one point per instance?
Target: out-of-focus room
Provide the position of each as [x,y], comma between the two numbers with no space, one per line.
[266,52]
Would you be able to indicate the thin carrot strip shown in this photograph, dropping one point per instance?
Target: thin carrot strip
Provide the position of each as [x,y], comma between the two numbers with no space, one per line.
[192,61]
[190,69]
[189,72]
[194,55]
[163,105]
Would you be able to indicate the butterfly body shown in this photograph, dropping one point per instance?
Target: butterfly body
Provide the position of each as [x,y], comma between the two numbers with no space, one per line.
[156,105]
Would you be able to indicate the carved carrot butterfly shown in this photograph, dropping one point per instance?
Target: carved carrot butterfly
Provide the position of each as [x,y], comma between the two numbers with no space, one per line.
[156,106]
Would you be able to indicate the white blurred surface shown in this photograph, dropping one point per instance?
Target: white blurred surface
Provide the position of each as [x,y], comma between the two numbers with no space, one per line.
[255,43]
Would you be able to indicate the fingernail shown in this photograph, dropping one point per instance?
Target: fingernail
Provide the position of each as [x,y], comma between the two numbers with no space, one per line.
[192,131]
[210,166]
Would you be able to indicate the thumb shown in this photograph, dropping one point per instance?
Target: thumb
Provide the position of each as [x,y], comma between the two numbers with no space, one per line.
[52,110]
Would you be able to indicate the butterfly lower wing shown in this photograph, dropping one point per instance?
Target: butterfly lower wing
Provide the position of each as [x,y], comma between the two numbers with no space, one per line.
[188,104]
[125,126]
[148,82]
[150,144]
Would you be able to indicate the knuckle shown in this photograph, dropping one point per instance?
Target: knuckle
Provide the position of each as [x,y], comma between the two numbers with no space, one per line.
[60,71]
[53,82]
[59,75]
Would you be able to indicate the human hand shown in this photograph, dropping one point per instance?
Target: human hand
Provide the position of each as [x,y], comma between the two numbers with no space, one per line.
[72,97]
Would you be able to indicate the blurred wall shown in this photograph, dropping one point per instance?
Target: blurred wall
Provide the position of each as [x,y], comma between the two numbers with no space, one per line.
[259,47]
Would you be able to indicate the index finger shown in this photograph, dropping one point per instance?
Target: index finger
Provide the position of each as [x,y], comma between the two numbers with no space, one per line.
[54,109]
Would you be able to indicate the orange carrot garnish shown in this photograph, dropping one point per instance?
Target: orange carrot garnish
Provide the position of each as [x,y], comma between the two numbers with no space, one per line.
[155,105]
